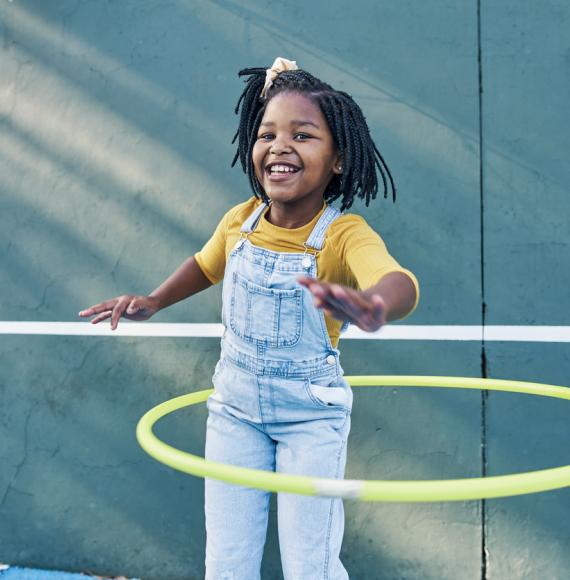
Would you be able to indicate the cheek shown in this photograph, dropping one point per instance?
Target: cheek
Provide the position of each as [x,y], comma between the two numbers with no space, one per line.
[257,158]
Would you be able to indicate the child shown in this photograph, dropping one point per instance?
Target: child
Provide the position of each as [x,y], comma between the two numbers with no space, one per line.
[280,400]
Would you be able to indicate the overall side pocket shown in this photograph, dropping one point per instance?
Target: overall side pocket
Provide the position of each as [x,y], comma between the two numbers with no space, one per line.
[329,392]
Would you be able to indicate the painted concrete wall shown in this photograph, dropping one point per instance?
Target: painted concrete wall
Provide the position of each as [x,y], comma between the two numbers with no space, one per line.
[115,126]
[526,64]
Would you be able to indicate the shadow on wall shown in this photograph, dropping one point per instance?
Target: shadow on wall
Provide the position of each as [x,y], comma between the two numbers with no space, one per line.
[74,463]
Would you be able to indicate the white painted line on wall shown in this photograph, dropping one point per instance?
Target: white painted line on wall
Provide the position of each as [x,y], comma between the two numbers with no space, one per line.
[390,332]
[409,332]
[528,333]
[157,329]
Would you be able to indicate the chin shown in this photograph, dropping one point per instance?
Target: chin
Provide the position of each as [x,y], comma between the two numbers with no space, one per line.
[281,196]
[271,192]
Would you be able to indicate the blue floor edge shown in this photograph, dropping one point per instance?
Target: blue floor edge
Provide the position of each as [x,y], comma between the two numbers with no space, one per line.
[18,573]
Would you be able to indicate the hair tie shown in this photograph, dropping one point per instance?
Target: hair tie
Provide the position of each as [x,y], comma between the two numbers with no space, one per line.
[279,65]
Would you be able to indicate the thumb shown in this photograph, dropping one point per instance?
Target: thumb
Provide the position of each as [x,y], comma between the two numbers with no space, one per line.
[133,307]
[379,307]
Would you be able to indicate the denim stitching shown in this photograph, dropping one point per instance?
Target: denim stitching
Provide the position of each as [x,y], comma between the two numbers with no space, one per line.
[233,304]
[251,222]
[316,239]
[276,307]
[247,329]
[259,365]
[317,231]
[259,387]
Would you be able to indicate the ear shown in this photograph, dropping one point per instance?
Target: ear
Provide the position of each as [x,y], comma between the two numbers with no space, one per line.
[337,164]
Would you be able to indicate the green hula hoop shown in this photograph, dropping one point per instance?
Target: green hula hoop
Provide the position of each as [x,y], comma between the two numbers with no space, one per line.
[387,491]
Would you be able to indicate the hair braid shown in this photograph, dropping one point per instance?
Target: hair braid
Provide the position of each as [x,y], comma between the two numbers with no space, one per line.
[337,183]
[253,181]
[356,167]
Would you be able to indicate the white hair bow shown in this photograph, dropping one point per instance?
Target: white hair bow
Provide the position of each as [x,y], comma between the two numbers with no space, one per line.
[279,65]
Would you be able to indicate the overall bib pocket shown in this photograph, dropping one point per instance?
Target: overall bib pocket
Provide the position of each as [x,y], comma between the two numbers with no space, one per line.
[268,316]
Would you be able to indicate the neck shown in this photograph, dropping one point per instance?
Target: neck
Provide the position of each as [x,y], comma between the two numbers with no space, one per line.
[292,215]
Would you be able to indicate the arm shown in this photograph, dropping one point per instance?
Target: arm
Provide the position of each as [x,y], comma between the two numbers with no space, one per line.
[187,280]
[398,293]
[390,291]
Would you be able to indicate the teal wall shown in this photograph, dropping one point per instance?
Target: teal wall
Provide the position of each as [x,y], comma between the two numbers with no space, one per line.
[115,126]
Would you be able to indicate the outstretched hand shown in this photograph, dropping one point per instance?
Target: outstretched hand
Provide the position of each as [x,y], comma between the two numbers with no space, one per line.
[366,312]
[128,306]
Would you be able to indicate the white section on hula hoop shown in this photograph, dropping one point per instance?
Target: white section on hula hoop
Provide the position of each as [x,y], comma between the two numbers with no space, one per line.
[346,488]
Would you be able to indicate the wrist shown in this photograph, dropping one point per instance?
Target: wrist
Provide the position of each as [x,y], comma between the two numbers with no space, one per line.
[398,293]
[158,301]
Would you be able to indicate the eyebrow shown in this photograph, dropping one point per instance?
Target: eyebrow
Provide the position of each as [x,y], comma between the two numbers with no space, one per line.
[296,123]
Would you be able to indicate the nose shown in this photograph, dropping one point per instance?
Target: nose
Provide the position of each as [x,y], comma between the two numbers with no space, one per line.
[279,146]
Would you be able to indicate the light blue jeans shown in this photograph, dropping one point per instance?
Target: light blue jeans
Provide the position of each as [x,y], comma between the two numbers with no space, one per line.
[280,404]
[304,437]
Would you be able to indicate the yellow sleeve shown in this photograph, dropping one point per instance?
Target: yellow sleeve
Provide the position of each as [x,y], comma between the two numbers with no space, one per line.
[212,257]
[366,254]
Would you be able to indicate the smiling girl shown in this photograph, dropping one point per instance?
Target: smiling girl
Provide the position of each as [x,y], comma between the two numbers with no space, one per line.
[295,270]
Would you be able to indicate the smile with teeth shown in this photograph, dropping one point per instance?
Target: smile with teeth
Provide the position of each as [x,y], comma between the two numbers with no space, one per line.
[282,169]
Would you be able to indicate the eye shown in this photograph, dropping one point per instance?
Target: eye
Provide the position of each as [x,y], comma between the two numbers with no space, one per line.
[302,136]
[265,137]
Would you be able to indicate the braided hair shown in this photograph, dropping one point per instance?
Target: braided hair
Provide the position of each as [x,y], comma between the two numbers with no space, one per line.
[360,156]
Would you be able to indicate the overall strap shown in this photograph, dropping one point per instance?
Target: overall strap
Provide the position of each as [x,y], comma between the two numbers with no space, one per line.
[250,223]
[317,237]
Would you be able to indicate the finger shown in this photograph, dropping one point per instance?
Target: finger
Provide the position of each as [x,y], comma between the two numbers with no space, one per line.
[339,313]
[319,302]
[350,296]
[89,311]
[348,300]
[379,308]
[318,292]
[314,286]
[333,294]
[97,308]
[328,304]
[338,306]
[332,311]
[376,318]
[322,295]
[343,303]
[133,307]
[102,316]
[120,307]
[367,323]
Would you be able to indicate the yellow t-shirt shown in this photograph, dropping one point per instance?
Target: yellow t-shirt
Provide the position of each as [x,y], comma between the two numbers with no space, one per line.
[353,254]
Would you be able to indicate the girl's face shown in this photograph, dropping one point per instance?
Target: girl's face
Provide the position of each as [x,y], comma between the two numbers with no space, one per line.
[294,155]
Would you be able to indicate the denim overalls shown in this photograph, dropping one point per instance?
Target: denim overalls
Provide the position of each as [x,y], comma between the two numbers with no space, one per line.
[280,404]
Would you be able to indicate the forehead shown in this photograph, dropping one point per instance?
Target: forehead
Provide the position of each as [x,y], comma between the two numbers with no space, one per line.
[286,107]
